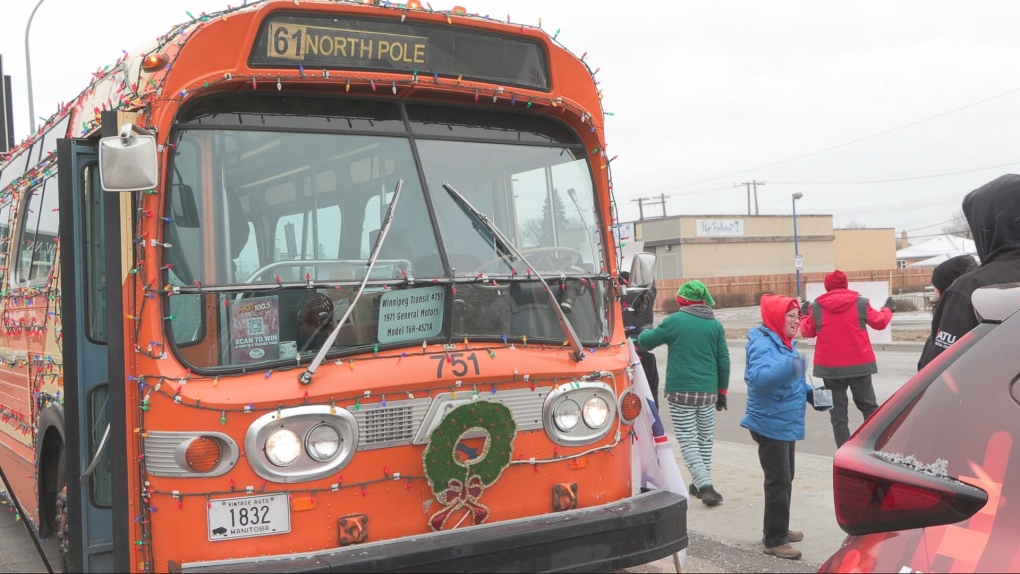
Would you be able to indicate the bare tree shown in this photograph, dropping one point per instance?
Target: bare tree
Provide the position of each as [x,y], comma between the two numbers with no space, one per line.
[854,224]
[958,226]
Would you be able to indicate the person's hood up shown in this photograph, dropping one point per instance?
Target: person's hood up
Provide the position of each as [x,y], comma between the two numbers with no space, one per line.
[700,310]
[773,315]
[993,213]
[837,300]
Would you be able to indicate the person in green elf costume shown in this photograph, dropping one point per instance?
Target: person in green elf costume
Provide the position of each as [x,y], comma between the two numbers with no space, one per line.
[697,379]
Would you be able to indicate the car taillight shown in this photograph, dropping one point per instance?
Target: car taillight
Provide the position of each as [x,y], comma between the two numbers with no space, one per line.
[873,495]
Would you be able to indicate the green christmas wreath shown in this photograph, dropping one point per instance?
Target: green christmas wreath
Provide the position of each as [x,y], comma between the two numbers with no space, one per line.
[442,466]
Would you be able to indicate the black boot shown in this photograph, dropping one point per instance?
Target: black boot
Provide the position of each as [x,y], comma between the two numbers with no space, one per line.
[694,491]
[709,496]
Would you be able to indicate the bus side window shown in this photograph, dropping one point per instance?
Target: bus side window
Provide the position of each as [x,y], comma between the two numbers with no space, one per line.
[95,256]
[5,239]
[37,245]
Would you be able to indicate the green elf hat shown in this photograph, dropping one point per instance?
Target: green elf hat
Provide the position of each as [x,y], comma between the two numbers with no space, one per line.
[694,292]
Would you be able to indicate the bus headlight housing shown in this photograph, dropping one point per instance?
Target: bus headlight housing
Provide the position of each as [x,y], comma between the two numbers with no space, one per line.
[593,402]
[299,444]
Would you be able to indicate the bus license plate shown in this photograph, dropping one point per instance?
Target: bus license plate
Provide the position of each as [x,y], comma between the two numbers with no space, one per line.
[248,516]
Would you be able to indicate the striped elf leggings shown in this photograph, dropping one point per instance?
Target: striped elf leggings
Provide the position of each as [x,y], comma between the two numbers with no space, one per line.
[695,431]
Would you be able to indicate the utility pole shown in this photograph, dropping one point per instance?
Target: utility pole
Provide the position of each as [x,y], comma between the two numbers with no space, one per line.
[642,200]
[640,206]
[749,185]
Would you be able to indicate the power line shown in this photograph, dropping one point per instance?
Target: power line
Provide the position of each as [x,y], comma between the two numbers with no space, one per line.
[932,225]
[943,174]
[842,145]
[883,208]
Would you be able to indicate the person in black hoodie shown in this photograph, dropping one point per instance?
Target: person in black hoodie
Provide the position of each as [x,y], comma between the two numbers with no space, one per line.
[942,277]
[993,213]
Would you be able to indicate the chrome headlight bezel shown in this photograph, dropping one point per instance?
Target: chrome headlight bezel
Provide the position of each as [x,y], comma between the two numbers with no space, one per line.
[301,420]
[579,393]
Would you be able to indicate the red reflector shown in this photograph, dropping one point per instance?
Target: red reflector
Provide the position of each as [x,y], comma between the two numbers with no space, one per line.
[902,496]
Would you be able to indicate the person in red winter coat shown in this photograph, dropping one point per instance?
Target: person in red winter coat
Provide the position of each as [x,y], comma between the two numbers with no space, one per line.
[844,358]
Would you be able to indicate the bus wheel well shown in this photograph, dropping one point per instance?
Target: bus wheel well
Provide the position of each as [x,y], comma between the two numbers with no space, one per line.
[51,469]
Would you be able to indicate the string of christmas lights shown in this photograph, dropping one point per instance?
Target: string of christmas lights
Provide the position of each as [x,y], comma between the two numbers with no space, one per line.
[140,96]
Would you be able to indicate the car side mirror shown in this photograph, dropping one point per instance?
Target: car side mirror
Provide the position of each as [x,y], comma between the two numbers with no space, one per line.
[642,270]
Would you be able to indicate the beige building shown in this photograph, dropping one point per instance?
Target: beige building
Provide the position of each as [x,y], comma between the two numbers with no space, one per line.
[865,249]
[729,245]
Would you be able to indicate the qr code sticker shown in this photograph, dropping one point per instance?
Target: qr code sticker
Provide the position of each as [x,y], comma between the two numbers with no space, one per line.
[256,326]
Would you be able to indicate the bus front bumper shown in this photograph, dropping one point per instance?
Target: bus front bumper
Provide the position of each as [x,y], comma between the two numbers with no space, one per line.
[627,533]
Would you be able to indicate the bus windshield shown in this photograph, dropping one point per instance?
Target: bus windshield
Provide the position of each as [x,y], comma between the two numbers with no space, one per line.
[275,211]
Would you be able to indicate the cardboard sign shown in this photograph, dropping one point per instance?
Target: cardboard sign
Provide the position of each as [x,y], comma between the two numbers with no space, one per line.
[255,330]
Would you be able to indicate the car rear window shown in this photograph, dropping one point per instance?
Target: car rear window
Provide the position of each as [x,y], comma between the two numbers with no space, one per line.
[965,419]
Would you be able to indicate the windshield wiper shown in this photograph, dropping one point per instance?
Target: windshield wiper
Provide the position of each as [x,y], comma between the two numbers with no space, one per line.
[306,377]
[505,244]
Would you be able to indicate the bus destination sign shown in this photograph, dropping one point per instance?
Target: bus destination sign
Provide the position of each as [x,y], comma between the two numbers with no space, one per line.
[291,41]
[342,46]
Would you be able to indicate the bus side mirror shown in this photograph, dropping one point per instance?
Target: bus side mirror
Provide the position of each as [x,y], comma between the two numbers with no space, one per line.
[185,209]
[127,162]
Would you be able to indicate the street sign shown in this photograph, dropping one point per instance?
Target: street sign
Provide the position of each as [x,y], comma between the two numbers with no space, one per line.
[798,263]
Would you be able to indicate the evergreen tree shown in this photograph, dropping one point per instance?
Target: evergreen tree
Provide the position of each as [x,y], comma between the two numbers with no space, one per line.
[554,218]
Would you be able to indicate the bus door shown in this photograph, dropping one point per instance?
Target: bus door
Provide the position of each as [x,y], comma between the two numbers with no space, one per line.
[94,408]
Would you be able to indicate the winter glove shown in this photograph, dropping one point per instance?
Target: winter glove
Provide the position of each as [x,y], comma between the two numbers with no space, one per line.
[720,402]
[890,304]
[805,308]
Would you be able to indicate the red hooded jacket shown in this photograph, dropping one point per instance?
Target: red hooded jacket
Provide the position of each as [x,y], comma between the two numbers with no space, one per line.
[839,319]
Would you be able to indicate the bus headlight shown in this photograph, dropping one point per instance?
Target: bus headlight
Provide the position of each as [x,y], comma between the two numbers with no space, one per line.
[596,412]
[322,442]
[283,447]
[566,415]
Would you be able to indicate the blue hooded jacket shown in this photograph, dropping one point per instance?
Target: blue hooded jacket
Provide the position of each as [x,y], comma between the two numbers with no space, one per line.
[776,387]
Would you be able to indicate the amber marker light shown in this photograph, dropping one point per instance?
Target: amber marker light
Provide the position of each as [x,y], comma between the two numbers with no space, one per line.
[154,62]
[203,454]
[413,5]
[630,407]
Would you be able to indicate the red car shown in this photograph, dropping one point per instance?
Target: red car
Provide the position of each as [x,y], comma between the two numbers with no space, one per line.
[931,482]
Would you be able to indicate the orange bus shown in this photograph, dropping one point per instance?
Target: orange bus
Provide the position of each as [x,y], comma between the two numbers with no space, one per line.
[325,285]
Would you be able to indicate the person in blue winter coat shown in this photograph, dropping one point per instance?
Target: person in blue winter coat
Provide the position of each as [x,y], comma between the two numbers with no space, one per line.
[776,391]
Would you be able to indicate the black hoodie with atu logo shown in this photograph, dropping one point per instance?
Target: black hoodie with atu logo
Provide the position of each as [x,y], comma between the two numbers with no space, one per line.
[993,213]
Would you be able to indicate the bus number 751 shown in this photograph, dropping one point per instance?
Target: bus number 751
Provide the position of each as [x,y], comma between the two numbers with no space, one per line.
[460,366]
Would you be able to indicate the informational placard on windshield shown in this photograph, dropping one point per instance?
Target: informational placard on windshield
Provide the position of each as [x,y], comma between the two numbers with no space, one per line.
[255,330]
[411,314]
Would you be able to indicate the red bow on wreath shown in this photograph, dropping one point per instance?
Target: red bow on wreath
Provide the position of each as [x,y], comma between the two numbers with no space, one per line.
[457,496]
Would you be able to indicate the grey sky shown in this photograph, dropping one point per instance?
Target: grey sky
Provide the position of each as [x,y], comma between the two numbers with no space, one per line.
[705,95]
